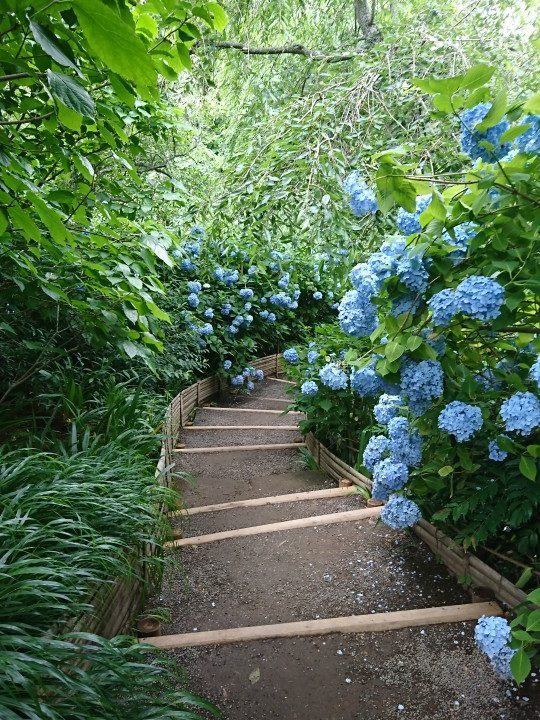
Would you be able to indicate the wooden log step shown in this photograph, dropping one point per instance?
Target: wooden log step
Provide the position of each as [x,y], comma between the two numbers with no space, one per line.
[192,428]
[315,521]
[376,622]
[251,410]
[235,448]
[272,500]
[288,382]
[272,399]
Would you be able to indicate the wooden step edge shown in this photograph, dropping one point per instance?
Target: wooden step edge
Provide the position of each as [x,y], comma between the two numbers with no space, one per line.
[288,382]
[273,399]
[376,622]
[193,428]
[235,448]
[307,522]
[251,410]
[269,500]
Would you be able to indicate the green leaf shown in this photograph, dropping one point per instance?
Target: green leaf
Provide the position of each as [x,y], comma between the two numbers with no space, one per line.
[527,467]
[220,16]
[393,350]
[524,577]
[522,636]
[476,76]
[533,621]
[534,450]
[446,470]
[413,342]
[71,94]
[533,104]
[326,404]
[50,218]
[520,665]
[534,596]
[21,219]
[495,113]
[46,40]
[69,118]
[115,43]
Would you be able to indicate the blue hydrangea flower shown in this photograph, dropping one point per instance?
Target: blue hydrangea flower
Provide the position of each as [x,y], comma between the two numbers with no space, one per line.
[312,356]
[291,356]
[296,294]
[187,265]
[271,317]
[501,662]
[250,385]
[247,306]
[480,297]
[443,306]
[259,375]
[387,408]
[309,388]
[492,634]
[194,286]
[226,309]
[237,380]
[246,293]
[231,277]
[219,273]
[400,512]
[388,476]
[398,427]
[317,295]
[264,314]
[364,280]
[193,249]
[176,253]
[421,383]
[367,382]
[232,329]
[263,301]
[252,270]
[283,281]
[248,319]
[521,413]
[197,231]
[333,377]
[193,300]
[362,200]
[486,379]
[227,365]
[357,315]
[375,450]
[206,329]
[408,222]
[461,420]
[412,273]
[534,372]
[529,142]
[406,304]
[464,233]
[482,144]
[408,449]
[274,266]
[208,313]
[495,452]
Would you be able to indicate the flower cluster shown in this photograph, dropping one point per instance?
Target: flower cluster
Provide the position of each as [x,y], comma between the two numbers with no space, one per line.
[309,387]
[482,144]
[477,296]
[534,372]
[496,452]
[377,448]
[400,512]
[461,420]
[388,476]
[362,200]
[529,141]
[405,444]
[357,314]
[408,222]
[387,408]
[421,383]
[521,413]
[291,356]
[333,377]
[366,382]
[492,635]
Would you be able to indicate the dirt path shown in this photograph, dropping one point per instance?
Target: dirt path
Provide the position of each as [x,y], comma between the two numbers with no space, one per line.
[353,568]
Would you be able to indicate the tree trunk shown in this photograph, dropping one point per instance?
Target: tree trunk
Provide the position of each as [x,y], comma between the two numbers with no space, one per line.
[364,17]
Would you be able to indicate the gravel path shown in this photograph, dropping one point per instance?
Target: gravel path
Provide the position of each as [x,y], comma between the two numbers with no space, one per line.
[431,673]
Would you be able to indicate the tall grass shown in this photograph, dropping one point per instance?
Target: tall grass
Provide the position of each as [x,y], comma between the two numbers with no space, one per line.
[75,512]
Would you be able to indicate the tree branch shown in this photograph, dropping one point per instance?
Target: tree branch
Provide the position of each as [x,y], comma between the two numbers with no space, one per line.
[35,118]
[285,50]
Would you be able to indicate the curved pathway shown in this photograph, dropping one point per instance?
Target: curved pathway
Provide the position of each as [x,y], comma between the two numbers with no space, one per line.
[281,575]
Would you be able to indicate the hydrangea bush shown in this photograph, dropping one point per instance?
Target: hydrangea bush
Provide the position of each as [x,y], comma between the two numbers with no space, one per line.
[431,381]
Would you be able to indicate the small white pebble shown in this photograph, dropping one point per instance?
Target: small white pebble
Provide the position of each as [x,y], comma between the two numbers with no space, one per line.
[401,707]
[422,632]
[348,681]
[525,699]
[339,652]
[195,629]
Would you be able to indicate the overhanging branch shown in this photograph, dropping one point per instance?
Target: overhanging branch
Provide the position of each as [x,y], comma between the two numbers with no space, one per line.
[285,50]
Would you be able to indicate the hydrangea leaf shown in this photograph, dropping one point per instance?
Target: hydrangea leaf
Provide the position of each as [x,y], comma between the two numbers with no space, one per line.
[495,113]
[71,94]
[527,467]
[520,665]
[47,41]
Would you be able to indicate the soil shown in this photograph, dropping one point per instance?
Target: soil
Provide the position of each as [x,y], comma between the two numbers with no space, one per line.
[433,673]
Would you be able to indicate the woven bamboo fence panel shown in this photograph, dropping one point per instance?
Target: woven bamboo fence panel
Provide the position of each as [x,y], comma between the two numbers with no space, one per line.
[117,604]
[459,561]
